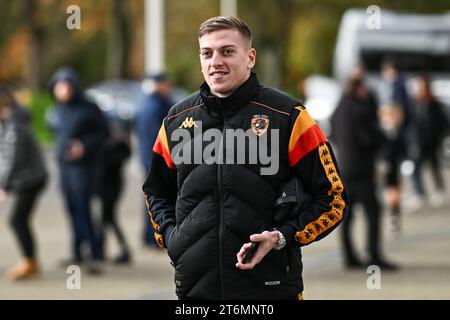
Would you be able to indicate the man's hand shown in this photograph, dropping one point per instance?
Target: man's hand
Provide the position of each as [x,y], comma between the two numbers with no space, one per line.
[3,195]
[266,240]
[75,150]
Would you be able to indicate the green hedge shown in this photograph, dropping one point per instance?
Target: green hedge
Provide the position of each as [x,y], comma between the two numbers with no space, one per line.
[40,103]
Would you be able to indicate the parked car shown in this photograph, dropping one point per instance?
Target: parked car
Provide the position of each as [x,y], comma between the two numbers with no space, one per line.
[120,98]
[117,98]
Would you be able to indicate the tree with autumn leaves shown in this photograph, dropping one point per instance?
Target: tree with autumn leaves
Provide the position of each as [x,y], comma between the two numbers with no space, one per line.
[294,38]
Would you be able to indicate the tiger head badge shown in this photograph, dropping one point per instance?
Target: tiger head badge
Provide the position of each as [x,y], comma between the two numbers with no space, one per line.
[260,124]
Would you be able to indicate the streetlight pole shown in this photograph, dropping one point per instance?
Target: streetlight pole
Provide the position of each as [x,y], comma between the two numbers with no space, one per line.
[154,36]
[228,7]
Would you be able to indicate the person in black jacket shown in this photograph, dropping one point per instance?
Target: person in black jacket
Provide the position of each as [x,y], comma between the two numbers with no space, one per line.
[358,137]
[115,153]
[81,131]
[430,124]
[22,173]
[219,162]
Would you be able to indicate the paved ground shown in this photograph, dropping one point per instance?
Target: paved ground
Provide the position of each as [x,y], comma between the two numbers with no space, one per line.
[423,250]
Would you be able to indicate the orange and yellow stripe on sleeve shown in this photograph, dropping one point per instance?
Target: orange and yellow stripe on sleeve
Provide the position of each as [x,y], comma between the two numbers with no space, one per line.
[158,237]
[161,147]
[306,136]
[337,204]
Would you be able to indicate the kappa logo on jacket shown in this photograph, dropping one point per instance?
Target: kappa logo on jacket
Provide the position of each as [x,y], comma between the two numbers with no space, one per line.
[188,123]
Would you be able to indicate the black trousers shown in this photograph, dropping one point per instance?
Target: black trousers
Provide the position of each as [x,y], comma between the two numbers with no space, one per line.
[363,192]
[112,185]
[22,209]
[431,157]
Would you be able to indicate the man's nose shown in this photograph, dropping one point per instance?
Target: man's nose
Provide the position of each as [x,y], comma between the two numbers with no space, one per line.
[216,59]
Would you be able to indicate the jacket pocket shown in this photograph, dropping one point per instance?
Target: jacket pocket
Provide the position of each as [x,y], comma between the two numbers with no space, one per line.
[172,245]
[295,265]
[273,270]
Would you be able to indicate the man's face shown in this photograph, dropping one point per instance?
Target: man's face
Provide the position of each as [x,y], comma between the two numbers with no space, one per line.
[164,88]
[5,108]
[226,59]
[388,72]
[63,91]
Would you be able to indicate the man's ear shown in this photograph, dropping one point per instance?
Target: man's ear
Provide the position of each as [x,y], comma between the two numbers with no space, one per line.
[252,58]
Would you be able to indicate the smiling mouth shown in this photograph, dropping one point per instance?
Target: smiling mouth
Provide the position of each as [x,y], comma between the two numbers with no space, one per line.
[218,74]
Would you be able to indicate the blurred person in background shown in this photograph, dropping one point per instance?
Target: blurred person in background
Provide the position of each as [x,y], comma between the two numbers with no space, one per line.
[81,132]
[116,151]
[359,73]
[396,121]
[430,124]
[20,113]
[392,118]
[22,173]
[358,138]
[152,110]
[301,90]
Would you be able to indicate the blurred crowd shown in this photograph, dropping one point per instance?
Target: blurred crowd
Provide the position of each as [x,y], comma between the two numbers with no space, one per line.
[390,124]
[91,149]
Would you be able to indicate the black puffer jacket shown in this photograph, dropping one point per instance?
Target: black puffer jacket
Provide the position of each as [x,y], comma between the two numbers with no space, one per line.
[21,161]
[204,212]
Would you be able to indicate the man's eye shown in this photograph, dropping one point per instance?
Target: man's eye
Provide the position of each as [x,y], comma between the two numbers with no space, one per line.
[227,52]
[205,54]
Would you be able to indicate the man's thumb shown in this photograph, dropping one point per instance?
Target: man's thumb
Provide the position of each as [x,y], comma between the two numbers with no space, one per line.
[256,238]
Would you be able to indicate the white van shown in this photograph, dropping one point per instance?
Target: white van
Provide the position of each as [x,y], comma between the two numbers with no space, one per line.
[418,42]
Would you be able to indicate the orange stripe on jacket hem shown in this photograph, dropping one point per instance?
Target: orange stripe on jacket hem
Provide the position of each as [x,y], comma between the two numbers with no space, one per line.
[307,142]
[161,147]
[337,204]
[158,237]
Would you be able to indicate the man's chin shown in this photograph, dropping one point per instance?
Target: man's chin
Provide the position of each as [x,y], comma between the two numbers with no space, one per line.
[220,91]
[221,94]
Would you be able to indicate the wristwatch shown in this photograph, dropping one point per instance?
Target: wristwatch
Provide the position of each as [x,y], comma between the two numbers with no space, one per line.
[281,241]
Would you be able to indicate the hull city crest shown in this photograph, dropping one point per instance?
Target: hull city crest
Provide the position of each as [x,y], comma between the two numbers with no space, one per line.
[260,124]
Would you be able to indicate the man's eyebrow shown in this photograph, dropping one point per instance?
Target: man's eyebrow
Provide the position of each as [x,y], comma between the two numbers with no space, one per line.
[228,46]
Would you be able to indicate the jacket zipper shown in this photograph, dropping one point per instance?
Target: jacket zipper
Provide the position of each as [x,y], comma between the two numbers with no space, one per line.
[220,189]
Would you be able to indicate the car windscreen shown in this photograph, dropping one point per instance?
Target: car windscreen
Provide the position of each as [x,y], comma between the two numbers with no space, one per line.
[407,61]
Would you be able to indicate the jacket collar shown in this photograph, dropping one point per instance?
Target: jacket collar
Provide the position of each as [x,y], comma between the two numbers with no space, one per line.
[239,98]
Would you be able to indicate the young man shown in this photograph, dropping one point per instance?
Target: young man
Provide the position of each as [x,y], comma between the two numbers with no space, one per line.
[208,198]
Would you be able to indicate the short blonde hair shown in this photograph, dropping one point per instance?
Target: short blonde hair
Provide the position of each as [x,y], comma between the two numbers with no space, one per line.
[223,23]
